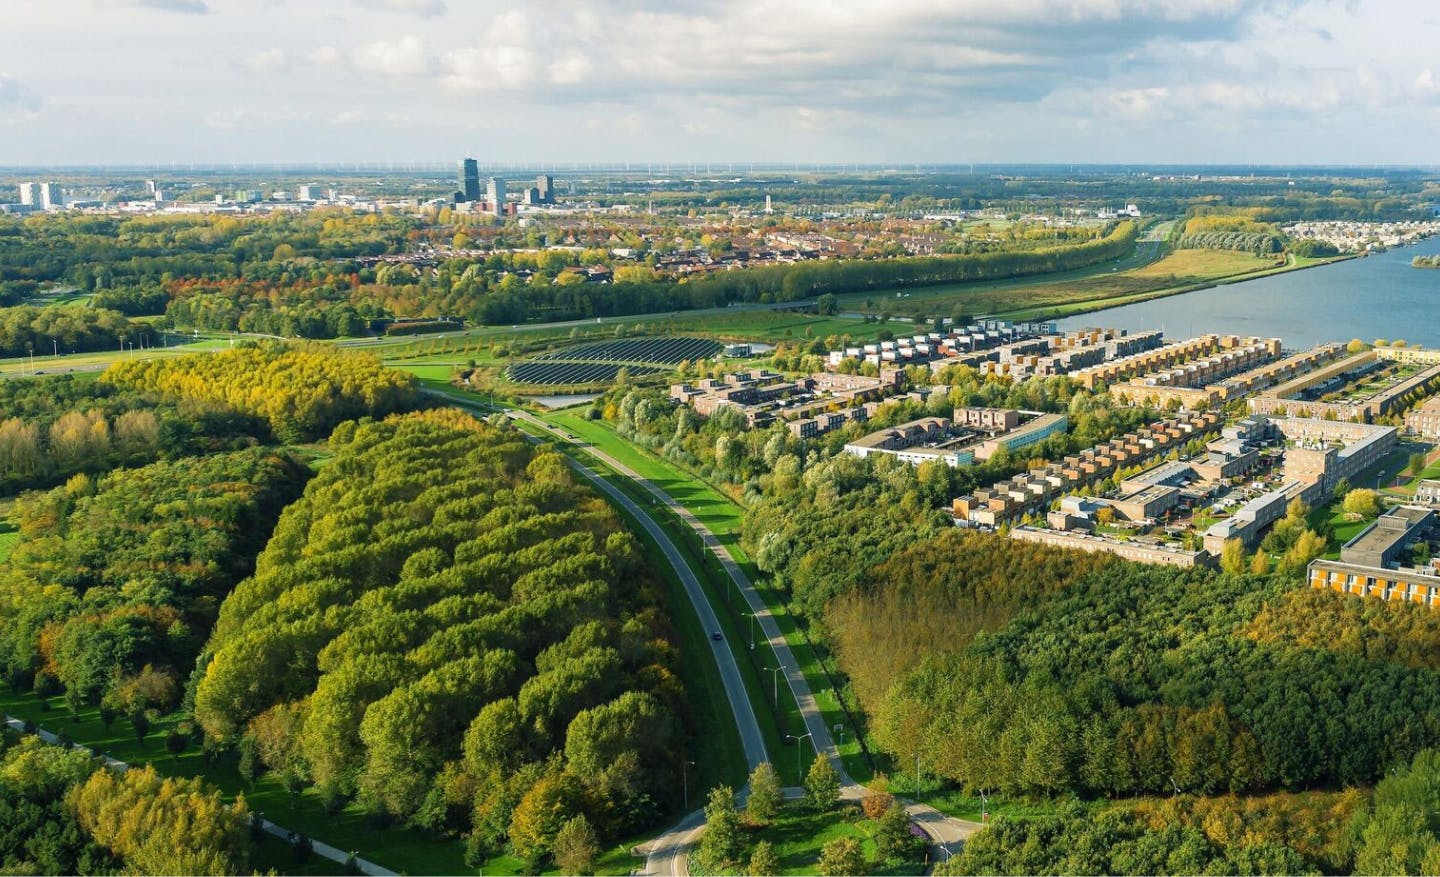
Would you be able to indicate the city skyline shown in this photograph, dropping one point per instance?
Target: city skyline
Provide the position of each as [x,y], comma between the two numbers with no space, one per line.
[138,81]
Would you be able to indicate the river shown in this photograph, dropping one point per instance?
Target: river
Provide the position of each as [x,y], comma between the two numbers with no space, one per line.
[1379,296]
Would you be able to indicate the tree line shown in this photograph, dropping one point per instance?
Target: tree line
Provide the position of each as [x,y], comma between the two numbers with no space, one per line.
[27,329]
[62,812]
[301,392]
[61,425]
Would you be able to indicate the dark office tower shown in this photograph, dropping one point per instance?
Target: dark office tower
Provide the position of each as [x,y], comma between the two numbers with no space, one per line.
[546,184]
[470,179]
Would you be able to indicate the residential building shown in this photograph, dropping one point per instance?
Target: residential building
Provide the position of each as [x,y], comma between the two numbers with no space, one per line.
[1141,551]
[545,188]
[1428,491]
[1416,585]
[1382,543]
[50,197]
[1425,420]
[29,195]
[1037,430]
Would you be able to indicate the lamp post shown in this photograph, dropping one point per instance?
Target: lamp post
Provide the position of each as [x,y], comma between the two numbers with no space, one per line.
[685,781]
[775,683]
[752,631]
[797,750]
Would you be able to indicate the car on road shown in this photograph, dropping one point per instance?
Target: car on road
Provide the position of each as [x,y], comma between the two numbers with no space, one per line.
[716,636]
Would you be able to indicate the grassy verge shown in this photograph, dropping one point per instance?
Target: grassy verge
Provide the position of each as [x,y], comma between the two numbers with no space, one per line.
[723,517]
[953,802]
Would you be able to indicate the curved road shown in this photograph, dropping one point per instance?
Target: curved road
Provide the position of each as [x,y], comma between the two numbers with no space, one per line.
[667,854]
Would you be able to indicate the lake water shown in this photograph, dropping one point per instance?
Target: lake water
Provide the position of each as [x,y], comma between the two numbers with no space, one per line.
[1378,296]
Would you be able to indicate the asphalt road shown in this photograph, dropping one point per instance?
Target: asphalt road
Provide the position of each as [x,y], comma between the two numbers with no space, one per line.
[668,854]
[745,722]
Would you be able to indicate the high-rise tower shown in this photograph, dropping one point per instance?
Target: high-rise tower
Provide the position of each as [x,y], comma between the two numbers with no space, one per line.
[495,194]
[470,179]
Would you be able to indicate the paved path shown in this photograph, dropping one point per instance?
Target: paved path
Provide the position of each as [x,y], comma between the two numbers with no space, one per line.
[320,848]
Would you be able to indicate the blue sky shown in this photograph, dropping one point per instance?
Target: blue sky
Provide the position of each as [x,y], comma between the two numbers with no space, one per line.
[1177,81]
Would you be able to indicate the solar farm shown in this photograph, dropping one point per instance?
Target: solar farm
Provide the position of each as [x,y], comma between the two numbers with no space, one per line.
[601,361]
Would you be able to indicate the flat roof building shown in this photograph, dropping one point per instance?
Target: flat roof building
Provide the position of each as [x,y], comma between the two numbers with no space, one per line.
[470,179]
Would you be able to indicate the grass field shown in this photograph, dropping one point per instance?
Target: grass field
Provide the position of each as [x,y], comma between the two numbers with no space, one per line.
[1183,269]
[9,535]
[799,833]
[1143,275]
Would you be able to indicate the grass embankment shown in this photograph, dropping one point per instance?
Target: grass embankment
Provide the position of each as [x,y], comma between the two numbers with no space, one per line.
[723,516]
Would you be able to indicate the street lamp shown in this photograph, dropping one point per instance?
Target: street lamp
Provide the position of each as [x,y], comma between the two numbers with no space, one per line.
[797,750]
[685,781]
[775,679]
[752,631]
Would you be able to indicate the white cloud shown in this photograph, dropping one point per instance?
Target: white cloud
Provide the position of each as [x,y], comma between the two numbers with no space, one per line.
[269,61]
[802,78]
[422,8]
[191,7]
[16,96]
[405,57]
[324,56]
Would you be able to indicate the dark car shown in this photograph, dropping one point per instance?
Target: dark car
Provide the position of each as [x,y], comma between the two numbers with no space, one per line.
[716,636]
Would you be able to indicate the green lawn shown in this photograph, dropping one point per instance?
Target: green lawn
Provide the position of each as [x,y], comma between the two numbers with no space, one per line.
[9,535]
[723,517]
[798,834]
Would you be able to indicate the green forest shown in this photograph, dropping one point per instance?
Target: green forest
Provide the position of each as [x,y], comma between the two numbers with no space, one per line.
[363,658]
[117,579]
[301,393]
[62,813]
[59,426]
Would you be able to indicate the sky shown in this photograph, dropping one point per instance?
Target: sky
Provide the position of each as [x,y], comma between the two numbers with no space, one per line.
[825,81]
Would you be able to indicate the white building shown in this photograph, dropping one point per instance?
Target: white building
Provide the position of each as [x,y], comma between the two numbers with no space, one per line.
[495,194]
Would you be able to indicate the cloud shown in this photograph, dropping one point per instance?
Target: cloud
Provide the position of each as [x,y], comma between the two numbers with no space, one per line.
[405,57]
[269,61]
[1425,88]
[17,97]
[422,8]
[190,7]
[324,56]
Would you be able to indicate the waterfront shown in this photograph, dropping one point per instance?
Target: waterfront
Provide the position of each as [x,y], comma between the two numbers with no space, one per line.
[1379,296]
